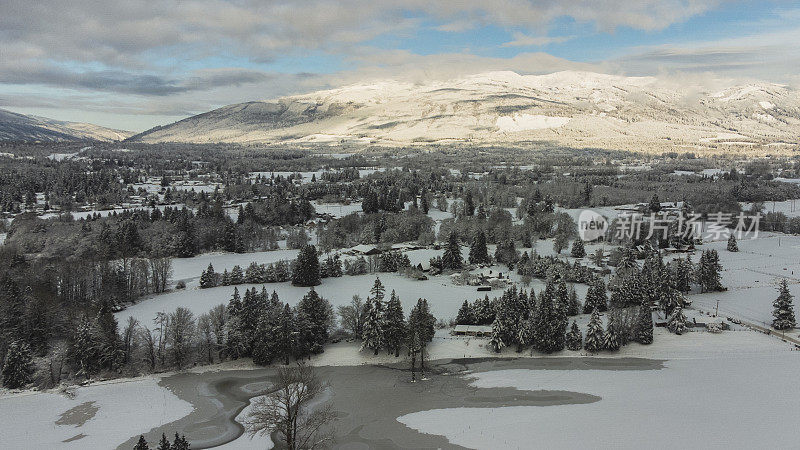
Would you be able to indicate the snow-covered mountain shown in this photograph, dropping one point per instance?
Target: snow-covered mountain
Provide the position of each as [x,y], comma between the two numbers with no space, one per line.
[24,128]
[578,109]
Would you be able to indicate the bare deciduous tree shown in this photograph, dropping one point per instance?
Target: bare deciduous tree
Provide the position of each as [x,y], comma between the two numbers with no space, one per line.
[289,413]
[352,316]
[161,268]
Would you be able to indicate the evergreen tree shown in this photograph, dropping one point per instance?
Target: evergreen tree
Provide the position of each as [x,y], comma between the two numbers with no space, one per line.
[394,325]
[612,337]
[226,278]
[596,297]
[452,259]
[629,290]
[18,366]
[85,348]
[304,337]
[681,273]
[578,250]
[504,328]
[180,443]
[208,279]
[141,444]
[783,311]
[372,336]
[164,443]
[526,335]
[574,339]
[107,327]
[421,324]
[595,336]
[574,305]
[284,334]
[237,276]
[264,340]
[465,315]
[643,327]
[478,253]
[305,271]
[708,272]
[370,203]
[378,291]
[498,332]
[677,321]
[551,321]
[562,297]
[319,314]
[733,246]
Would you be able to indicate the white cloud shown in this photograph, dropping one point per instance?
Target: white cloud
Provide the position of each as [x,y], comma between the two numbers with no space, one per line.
[524,40]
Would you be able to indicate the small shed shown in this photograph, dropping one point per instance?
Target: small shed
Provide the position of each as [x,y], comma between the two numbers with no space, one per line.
[363,249]
[473,330]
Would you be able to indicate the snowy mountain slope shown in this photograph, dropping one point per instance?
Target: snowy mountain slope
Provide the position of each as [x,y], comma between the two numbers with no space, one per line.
[579,109]
[20,127]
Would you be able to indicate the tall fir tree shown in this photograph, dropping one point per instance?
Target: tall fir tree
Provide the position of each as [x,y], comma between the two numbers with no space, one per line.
[284,335]
[85,348]
[372,336]
[612,337]
[478,252]
[596,297]
[643,326]
[237,276]
[574,307]
[499,331]
[466,315]
[595,336]
[708,272]
[421,324]
[551,321]
[394,325]
[180,443]
[452,259]
[319,314]
[18,367]
[783,311]
[305,270]
[164,443]
[378,291]
[574,338]
[208,278]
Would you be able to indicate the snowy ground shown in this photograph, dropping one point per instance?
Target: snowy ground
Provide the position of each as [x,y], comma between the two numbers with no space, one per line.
[789,207]
[752,276]
[443,297]
[691,400]
[100,416]
[190,269]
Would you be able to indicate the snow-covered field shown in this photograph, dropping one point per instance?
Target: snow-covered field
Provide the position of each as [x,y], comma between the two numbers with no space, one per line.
[752,276]
[444,297]
[191,268]
[100,416]
[789,207]
[742,402]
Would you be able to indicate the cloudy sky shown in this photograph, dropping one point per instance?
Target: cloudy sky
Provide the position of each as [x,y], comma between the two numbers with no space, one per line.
[134,64]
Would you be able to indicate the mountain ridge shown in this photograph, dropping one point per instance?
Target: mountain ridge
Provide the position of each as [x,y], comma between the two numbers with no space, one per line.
[28,128]
[577,109]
